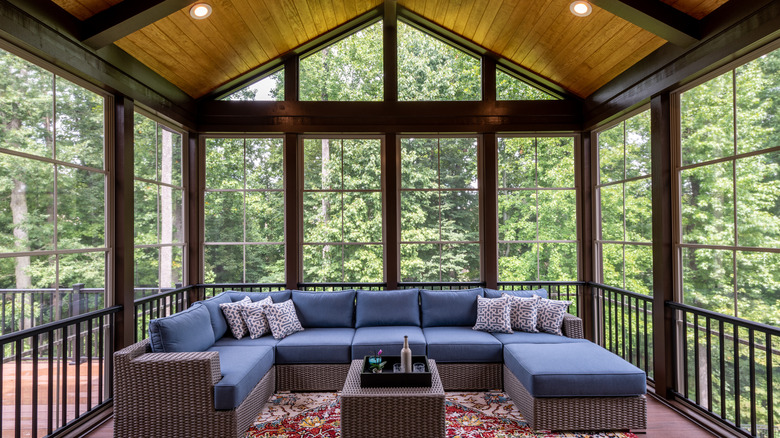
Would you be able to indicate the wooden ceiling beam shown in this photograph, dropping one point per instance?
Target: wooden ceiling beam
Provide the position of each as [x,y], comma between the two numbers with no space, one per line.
[126,17]
[656,17]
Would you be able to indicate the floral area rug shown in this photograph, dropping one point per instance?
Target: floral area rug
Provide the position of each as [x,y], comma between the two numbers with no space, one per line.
[468,415]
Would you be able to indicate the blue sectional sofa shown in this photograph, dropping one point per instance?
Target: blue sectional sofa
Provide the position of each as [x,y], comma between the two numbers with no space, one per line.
[192,363]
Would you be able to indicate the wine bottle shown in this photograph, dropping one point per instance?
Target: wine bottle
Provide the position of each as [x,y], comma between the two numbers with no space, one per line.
[406,357]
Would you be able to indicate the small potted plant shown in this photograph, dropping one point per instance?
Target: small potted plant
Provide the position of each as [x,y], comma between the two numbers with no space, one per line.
[376,363]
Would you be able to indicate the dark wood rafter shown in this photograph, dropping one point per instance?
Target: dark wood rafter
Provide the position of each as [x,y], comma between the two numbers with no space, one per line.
[121,211]
[110,68]
[126,17]
[663,244]
[390,50]
[656,17]
[300,117]
[488,201]
[733,30]
[586,182]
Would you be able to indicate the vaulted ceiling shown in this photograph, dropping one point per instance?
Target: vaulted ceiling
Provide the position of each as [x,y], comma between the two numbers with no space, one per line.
[578,54]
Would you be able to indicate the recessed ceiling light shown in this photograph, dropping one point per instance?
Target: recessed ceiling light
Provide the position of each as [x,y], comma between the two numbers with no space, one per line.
[580,8]
[200,11]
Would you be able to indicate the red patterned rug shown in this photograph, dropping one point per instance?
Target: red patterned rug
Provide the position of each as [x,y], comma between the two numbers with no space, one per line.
[469,415]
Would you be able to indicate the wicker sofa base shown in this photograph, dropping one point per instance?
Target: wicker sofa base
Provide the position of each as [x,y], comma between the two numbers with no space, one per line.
[576,413]
[172,395]
[311,377]
[470,376]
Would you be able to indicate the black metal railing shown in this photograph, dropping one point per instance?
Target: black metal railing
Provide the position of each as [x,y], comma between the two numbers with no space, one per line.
[324,287]
[159,305]
[61,366]
[728,368]
[441,285]
[623,324]
[210,290]
[556,290]
[26,308]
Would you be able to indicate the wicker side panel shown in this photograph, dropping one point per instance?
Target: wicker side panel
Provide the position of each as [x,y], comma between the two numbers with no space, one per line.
[577,413]
[572,327]
[250,408]
[311,377]
[470,376]
[402,417]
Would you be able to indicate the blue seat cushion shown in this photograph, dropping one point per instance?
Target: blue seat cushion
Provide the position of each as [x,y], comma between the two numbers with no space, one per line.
[188,330]
[581,369]
[246,341]
[276,296]
[387,307]
[325,309]
[390,339]
[316,345]
[462,344]
[444,308]
[534,338]
[242,369]
[218,322]
[492,293]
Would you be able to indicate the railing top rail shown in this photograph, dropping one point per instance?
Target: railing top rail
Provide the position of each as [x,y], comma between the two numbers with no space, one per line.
[337,284]
[726,318]
[442,283]
[155,297]
[622,291]
[13,337]
[552,283]
[229,285]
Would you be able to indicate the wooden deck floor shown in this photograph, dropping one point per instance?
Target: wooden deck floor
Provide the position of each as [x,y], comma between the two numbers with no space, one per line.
[662,422]
[65,408]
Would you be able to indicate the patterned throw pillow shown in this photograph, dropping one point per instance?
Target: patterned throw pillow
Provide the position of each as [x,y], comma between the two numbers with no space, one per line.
[522,313]
[254,317]
[282,319]
[493,315]
[235,321]
[550,315]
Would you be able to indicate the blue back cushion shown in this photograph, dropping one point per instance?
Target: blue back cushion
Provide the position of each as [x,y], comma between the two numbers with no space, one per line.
[324,309]
[218,322]
[449,307]
[277,296]
[492,293]
[189,330]
[387,307]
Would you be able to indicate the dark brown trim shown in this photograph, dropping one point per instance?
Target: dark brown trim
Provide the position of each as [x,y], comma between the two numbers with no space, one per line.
[730,32]
[489,93]
[586,185]
[124,18]
[291,85]
[488,201]
[656,17]
[391,230]
[123,217]
[110,69]
[195,168]
[300,117]
[292,212]
[663,240]
[390,50]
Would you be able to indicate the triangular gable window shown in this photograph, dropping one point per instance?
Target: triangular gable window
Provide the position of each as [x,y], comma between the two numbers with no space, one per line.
[268,88]
[348,70]
[431,70]
[510,88]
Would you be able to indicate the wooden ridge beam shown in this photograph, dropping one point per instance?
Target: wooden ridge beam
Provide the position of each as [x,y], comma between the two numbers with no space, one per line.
[656,17]
[126,17]
[300,117]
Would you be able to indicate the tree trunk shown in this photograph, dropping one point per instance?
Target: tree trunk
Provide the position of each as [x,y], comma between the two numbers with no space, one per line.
[166,210]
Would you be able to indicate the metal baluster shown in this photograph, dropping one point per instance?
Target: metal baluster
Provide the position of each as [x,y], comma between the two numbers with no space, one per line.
[752,348]
[709,365]
[18,383]
[722,344]
[769,385]
[738,419]
[685,353]
[35,386]
[696,373]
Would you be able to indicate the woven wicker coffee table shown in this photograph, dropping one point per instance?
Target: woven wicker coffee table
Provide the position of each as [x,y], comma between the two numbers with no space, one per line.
[392,412]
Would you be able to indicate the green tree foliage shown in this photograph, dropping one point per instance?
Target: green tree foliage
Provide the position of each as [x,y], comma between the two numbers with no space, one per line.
[510,88]
[270,87]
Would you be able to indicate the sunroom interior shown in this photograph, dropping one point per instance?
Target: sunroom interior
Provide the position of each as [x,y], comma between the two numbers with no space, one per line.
[627,160]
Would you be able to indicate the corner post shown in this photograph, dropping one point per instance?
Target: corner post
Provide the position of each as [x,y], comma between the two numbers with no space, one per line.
[392,226]
[196,167]
[586,183]
[292,211]
[488,199]
[122,231]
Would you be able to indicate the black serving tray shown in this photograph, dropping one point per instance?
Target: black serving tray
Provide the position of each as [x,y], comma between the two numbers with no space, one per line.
[387,378]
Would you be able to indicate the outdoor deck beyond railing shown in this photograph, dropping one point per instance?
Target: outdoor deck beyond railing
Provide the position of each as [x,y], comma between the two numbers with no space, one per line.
[56,372]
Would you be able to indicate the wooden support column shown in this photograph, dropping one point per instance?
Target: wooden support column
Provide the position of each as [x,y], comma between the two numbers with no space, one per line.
[390,53]
[586,183]
[196,165]
[292,210]
[489,93]
[392,230]
[122,213]
[663,244]
[291,72]
[488,201]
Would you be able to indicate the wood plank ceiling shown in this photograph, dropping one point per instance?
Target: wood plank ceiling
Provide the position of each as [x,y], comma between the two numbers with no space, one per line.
[580,54]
